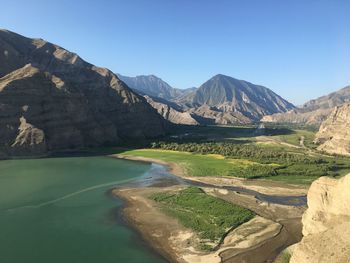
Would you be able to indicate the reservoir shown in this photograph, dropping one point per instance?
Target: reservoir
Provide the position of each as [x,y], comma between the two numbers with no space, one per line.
[60,210]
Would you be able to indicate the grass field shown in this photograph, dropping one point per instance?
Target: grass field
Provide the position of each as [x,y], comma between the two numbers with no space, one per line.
[208,216]
[217,165]
[295,136]
[240,151]
[206,165]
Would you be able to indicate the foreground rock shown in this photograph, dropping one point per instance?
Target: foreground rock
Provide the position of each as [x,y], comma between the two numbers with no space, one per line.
[51,99]
[334,133]
[326,223]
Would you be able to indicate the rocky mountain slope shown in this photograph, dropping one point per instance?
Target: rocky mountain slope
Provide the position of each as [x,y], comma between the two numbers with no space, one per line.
[220,100]
[314,111]
[334,133]
[229,95]
[208,115]
[326,223]
[51,99]
[154,87]
[171,111]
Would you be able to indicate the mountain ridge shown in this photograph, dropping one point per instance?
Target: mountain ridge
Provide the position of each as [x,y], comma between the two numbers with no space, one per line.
[154,86]
[51,99]
[312,112]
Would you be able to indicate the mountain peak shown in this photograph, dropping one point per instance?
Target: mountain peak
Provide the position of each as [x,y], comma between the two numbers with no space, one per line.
[233,95]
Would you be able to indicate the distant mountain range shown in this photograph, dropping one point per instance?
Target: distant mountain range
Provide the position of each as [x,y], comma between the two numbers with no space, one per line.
[153,86]
[51,99]
[220,100]
[314,111]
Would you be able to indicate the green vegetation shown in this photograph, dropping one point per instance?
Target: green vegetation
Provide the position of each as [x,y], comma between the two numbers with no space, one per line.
[267,161]
[286,256]
[298,136]
[241,151]
[296,170]
[208,216]
[207,165]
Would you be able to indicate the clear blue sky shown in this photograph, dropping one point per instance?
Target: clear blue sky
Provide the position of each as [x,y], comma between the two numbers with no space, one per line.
[298,48]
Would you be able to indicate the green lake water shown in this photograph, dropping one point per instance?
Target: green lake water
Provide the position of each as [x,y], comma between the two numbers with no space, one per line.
[59,210]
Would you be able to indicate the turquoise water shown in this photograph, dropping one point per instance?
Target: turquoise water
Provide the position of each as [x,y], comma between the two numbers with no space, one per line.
[59,210]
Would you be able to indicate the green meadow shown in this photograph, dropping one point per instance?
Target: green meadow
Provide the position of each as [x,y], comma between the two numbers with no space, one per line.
[238,151]
[208,216]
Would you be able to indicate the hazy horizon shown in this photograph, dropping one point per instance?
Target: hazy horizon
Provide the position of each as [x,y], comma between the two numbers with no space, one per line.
[298,49]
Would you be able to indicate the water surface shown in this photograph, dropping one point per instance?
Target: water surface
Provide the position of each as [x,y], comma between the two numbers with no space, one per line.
[59,210]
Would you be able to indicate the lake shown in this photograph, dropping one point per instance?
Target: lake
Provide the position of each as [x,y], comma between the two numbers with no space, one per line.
[60,210]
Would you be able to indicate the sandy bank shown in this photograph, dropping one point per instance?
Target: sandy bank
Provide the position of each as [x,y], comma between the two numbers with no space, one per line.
[258,240]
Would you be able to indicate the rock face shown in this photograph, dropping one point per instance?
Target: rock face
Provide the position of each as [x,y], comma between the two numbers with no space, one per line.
[51,99]
[326,223]
[171,112]
[240,97]
[334,133]
[313,112]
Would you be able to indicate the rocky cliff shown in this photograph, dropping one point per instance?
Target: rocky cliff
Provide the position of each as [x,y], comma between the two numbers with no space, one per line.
[326,223]
[51,99]
[334,133]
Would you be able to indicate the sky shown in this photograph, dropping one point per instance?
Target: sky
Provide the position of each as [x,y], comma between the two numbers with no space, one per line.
[298,48]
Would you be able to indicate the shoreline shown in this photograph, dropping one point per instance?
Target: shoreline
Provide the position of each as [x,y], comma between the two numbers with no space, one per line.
[162,233]
[178,244]
[143,231]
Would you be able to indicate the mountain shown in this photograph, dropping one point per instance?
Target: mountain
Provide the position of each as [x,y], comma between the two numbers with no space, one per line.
[334,133]
[51,99]
[230,95]
[314,111]
[153,86]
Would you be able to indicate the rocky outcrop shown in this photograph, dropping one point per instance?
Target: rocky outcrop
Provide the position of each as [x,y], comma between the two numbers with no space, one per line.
[313,112]
[172,114]
[51,99]
[326,223]
[334,133]
[211,115]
